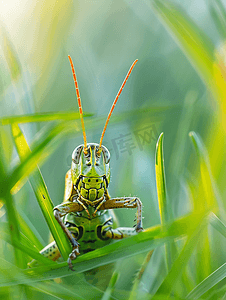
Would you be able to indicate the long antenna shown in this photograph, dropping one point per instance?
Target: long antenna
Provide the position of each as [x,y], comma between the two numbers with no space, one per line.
[115,101]
[79,104]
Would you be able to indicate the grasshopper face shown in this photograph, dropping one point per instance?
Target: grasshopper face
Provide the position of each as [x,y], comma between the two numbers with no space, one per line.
[91,171]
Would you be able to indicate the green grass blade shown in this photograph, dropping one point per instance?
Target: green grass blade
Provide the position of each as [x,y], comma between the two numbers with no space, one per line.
[192,40]
[42,195]
[24,245]
[160,180]
[80,290]
[197,47]
[161,191]
[42,117]
[156,112]
[208,283]
[13,226]
[11,273]
[28,229]
[7,198]
[218,224]
[81,264]
[64,292]
[145,241]
[46,144]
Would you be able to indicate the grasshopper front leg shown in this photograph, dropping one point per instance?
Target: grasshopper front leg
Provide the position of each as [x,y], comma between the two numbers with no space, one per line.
[60,211]
[126,202]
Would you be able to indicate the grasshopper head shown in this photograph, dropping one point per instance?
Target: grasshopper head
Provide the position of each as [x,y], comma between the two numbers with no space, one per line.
[90,163]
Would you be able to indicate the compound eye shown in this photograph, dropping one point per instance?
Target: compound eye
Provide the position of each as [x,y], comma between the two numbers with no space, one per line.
[76,154]
[106,154]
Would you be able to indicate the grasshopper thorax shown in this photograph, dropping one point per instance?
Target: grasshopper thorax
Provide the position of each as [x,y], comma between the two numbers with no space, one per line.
[90,170]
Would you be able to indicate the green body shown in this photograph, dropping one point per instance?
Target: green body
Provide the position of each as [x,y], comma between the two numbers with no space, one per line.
[86,214]
[88,231]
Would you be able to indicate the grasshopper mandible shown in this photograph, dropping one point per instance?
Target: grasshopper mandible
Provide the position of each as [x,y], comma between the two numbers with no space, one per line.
[85,214]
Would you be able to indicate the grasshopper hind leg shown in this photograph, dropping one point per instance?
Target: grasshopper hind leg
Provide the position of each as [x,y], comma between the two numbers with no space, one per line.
[106,231]
[118,233]
[51,251]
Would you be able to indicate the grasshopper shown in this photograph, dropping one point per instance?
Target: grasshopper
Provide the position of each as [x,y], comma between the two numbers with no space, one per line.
[85,214]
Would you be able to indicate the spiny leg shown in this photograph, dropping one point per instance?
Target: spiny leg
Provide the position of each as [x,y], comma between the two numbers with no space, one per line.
[61,210]
[126,202]
[75,232]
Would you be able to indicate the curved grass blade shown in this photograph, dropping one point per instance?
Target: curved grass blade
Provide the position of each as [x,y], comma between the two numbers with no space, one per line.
[161,191]
[13,225]
[156,112]
[24,245]
[79,291]
[198,49]
[42,117]
[42,195]
[28,229]
[7,198]
[145,241]
[47,143]
[160,180]
[208,283]
[192,40]
[81,265]
[218,224]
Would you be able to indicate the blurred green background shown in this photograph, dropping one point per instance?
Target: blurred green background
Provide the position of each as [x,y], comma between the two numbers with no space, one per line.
[177,86]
